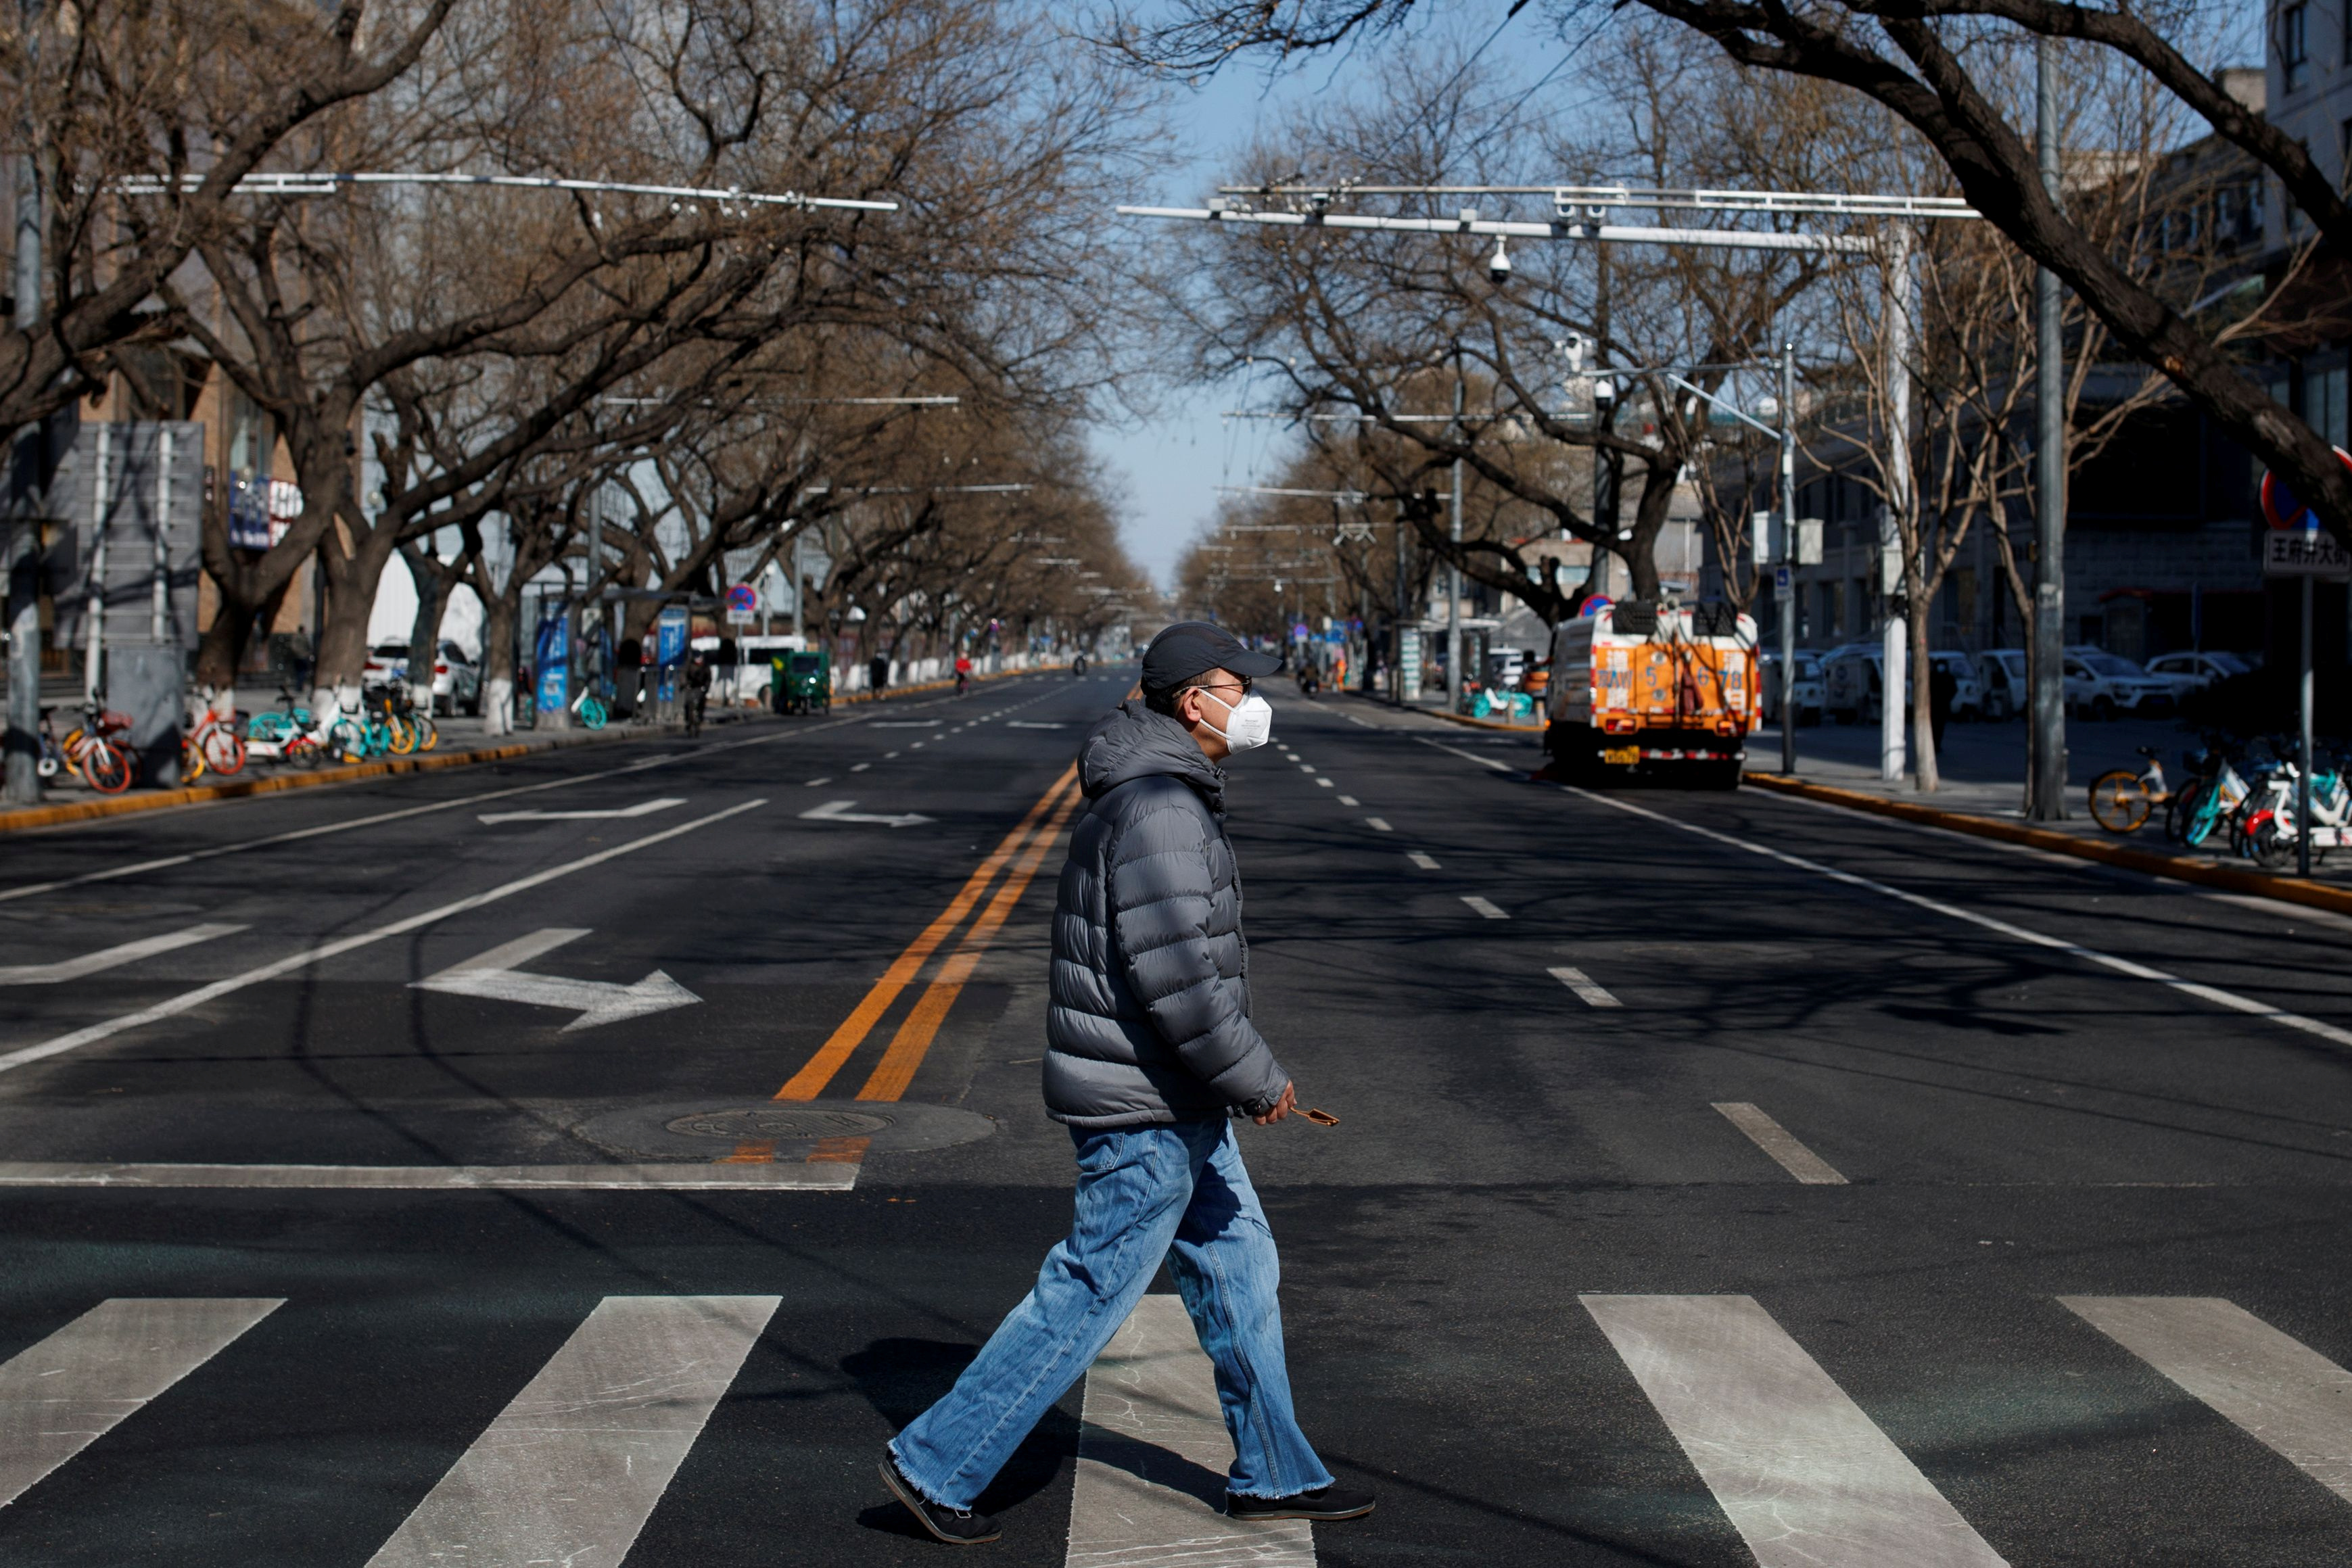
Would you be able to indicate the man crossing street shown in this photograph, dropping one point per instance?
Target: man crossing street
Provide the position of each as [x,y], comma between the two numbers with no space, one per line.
[1151,1054]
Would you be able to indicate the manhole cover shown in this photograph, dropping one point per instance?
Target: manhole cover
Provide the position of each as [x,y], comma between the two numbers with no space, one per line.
[780,1123]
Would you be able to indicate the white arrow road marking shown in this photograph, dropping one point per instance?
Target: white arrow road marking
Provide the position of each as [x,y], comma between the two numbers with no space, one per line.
[642,809]
[839,811]
[66,969]
[493,975]
[172,1007]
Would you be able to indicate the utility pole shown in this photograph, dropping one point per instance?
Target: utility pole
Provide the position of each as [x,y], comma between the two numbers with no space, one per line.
[1787,557]
[1454,683]
[2046,751]
[22,782]
[1894,645]
[2303,764]
[1404,601]
[800,582]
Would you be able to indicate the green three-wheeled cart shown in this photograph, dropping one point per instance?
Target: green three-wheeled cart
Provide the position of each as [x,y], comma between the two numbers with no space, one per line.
[802,682]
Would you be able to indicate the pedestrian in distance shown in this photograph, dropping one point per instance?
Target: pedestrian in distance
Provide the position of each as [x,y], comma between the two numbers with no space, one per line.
[1150,1055]
[962,673]
[1943,690]
[697,690]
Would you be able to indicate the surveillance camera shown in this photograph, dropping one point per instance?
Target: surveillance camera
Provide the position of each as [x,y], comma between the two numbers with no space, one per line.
[1498,266]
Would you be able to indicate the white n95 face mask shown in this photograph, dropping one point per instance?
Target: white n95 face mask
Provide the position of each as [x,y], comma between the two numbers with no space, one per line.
[1248,724]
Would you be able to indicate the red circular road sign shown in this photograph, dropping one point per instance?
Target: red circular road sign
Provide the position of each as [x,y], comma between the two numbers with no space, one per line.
[2281,506]
[743,599]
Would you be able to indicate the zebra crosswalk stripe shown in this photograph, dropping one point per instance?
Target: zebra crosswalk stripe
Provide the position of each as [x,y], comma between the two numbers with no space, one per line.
[1807,1478]
[59,1396]
[569,1471]
[1152,1458]
[2275,1388]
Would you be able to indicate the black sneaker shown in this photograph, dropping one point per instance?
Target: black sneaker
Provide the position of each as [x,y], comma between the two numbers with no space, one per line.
[1330,1503]
[956,1526]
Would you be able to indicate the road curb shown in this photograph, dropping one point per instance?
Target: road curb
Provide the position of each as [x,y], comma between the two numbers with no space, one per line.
[29,817]
[1481,723]
[2284,889]
[24,819]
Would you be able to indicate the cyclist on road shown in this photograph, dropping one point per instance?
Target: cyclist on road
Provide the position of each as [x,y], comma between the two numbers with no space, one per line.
[697,690]
[963,673]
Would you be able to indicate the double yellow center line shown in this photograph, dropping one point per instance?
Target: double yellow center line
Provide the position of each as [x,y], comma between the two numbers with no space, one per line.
[1025,850]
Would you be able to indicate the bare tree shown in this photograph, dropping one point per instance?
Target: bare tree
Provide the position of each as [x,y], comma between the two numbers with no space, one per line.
[1387,326]
[1923,61]
[190,95]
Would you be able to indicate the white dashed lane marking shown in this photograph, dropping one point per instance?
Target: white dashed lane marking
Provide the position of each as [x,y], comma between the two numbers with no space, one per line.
[1777,1142]
[1325,782]
[1379,824]
[1424,862]
[1576,980]
[1350,801]
[1484,906]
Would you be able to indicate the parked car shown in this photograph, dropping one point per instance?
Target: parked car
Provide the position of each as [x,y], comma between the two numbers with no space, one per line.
[1808,692]
[1849,681]
[2000,675]
[386,663]
[2194,671]
[1968,690]
[457,681]
[1851,677]
[2103,686]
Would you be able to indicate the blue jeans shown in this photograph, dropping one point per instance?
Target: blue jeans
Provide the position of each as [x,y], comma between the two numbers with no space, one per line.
[1144,1194]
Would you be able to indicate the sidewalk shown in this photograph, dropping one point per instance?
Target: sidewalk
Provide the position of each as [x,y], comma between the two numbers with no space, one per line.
[464,741]
[1983,788]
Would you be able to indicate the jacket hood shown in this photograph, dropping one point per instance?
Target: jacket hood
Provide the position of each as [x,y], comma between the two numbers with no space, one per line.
[1133,742]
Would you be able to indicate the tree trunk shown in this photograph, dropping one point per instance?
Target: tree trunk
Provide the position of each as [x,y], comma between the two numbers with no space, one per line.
[499,613]
[434,581]
[351,581]
[1923,686]
[1640,553]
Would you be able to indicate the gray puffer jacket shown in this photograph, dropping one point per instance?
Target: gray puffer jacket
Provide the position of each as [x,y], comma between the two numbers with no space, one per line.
[1149,1019]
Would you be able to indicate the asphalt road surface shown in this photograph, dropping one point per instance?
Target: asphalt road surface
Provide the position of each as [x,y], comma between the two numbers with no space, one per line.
[600,1156]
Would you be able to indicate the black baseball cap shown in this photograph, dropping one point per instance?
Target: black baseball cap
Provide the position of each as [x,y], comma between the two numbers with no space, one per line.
[1190,648]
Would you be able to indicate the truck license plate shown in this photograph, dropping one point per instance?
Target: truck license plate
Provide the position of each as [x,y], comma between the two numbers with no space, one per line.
[1622,756]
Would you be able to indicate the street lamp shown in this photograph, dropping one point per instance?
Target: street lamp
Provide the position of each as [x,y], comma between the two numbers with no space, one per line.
[303,182]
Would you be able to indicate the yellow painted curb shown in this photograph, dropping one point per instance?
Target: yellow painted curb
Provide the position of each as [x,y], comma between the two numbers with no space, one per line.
[2179,868]
[237,789]
[1478,723]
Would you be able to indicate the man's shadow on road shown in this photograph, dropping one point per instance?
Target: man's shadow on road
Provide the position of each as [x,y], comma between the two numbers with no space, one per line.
[901,1378]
